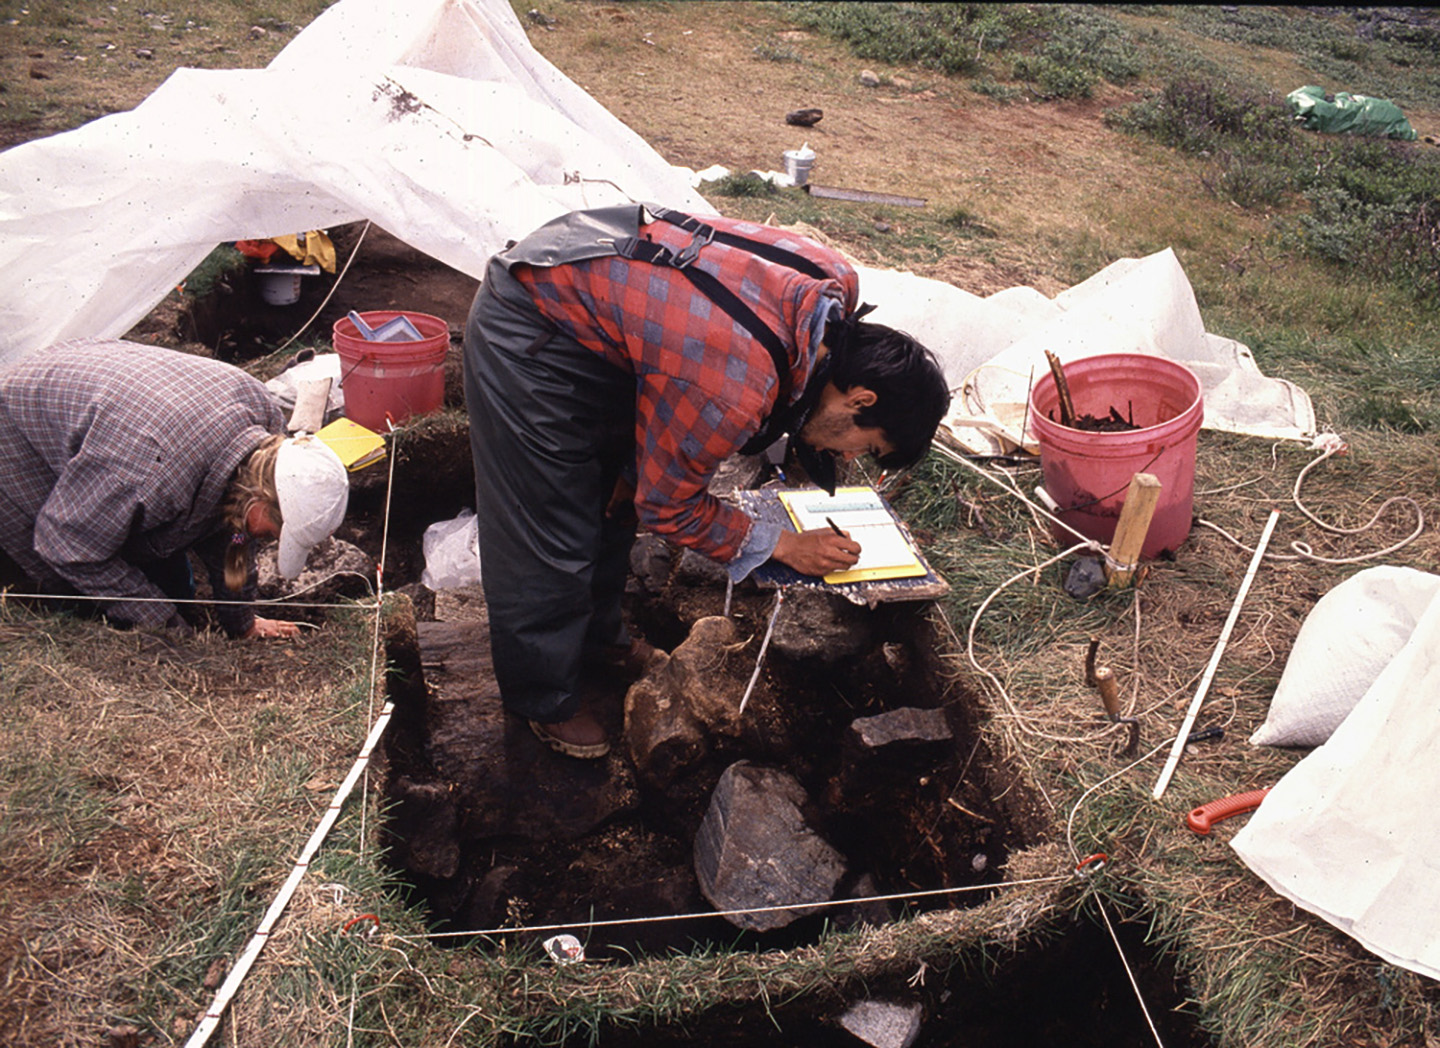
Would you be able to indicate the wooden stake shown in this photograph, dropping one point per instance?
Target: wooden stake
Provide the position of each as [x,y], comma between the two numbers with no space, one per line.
[1179,745]
[1109,691]
[1133,526]
[1062,389]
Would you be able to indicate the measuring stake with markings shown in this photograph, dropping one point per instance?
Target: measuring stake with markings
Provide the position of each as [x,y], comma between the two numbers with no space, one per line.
[1190,715]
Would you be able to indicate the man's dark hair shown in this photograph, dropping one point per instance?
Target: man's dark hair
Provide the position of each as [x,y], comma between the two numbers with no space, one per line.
[911,395]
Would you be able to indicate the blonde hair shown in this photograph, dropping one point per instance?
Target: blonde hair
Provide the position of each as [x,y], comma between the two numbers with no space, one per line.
[254,482]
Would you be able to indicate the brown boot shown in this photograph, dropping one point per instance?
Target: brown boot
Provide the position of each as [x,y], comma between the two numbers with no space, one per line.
[581,736]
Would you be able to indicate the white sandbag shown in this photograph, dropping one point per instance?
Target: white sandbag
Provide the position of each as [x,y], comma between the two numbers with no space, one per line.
[1349,832]
[285,387]
[452,553]
[1349,637]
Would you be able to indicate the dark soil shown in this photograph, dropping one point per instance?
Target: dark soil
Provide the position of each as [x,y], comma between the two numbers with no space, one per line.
[1070,990]
[610,846]
[1111,423]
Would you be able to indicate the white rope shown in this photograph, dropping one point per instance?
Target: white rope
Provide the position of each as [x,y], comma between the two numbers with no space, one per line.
[1010,706]
[1008,484]
[1194,709]
[1124,963]
[1070,843]
[333,288]
[251,953]
[667,917]
[1331,445]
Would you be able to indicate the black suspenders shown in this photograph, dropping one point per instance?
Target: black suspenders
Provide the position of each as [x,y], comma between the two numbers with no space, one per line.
[702,234]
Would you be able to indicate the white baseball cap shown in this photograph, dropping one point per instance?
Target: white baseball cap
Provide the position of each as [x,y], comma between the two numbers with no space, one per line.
[314,490]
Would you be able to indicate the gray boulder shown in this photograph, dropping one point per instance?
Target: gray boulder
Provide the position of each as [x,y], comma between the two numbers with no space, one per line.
[755,849]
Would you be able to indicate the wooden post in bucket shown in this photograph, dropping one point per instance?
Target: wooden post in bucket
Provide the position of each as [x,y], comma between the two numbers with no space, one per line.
[1130,531]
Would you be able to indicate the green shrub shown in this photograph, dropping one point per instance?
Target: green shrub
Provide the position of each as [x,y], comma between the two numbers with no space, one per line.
[935,36]
[746,185]
[1000,92]
[776,53]
[1198,116]
[967,222]
[221,266]
[1248,182]
[1056,75]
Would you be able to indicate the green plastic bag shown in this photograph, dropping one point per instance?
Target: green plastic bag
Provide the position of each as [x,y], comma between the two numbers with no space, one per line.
[1348,114]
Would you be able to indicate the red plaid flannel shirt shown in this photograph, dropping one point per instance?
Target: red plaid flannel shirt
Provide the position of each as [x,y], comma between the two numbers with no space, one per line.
[703,383]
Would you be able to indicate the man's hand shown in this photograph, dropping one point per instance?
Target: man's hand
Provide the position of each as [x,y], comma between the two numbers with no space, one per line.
[817,552]
[622,500]
[273,628]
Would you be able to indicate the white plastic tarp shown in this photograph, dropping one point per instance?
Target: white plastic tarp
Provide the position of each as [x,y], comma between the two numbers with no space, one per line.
[434,119]
[993,348]
[445,127]
[1348,833]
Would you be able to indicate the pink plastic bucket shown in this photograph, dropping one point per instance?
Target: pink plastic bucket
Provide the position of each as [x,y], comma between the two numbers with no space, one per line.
[391,381]
[1088,473]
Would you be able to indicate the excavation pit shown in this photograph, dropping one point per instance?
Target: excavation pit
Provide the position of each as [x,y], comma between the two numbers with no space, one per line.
[854,788]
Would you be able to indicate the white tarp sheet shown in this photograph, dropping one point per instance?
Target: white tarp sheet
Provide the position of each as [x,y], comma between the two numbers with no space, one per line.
[438,122]
[993,348]
[446,128]
[1348,833]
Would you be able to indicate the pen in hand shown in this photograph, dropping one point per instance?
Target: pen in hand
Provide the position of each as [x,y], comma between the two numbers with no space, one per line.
[834,527]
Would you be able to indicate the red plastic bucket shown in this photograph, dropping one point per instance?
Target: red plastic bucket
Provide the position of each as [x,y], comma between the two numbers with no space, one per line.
[391,381]
[1088,473]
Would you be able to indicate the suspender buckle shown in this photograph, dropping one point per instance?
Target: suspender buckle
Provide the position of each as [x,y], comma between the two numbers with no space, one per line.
[691,251]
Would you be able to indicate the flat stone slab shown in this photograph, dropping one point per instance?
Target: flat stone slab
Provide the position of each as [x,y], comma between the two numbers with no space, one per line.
[883,1024]
[907,724]
[755,849]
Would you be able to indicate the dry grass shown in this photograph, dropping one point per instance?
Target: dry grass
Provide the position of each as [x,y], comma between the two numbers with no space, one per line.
[154,789]
[1261,971]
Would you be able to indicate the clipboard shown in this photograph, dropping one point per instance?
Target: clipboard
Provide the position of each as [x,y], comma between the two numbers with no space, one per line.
[886,551]
[356,445]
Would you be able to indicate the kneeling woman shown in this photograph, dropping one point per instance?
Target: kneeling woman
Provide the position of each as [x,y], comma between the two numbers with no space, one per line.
[117,459]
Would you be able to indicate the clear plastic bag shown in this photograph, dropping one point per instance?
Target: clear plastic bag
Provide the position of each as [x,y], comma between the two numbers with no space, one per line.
[452,553]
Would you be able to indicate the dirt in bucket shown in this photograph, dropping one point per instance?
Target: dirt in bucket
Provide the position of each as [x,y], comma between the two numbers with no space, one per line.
[1114,422]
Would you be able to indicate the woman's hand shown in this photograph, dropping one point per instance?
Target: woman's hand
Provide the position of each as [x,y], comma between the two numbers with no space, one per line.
[817,552]
[273,628]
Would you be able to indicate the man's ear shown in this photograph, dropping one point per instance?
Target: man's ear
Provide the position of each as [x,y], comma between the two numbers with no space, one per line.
[858,397]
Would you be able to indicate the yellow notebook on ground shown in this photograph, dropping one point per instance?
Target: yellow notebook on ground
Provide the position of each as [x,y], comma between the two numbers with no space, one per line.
[885,549]
[356,445]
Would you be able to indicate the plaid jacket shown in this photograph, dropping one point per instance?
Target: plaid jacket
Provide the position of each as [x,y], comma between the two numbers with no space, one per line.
[703,384]
[114,454]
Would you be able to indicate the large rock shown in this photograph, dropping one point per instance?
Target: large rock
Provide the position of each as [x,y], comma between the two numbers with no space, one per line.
[670,712]
[651,559]
[755,850]
[815,624]
[695,569]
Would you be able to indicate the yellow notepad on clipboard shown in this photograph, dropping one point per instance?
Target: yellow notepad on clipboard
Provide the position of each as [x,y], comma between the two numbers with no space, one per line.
[885,550]
[356,445]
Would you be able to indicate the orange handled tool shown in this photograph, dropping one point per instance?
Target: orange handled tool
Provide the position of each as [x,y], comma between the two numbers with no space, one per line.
[1203,819]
